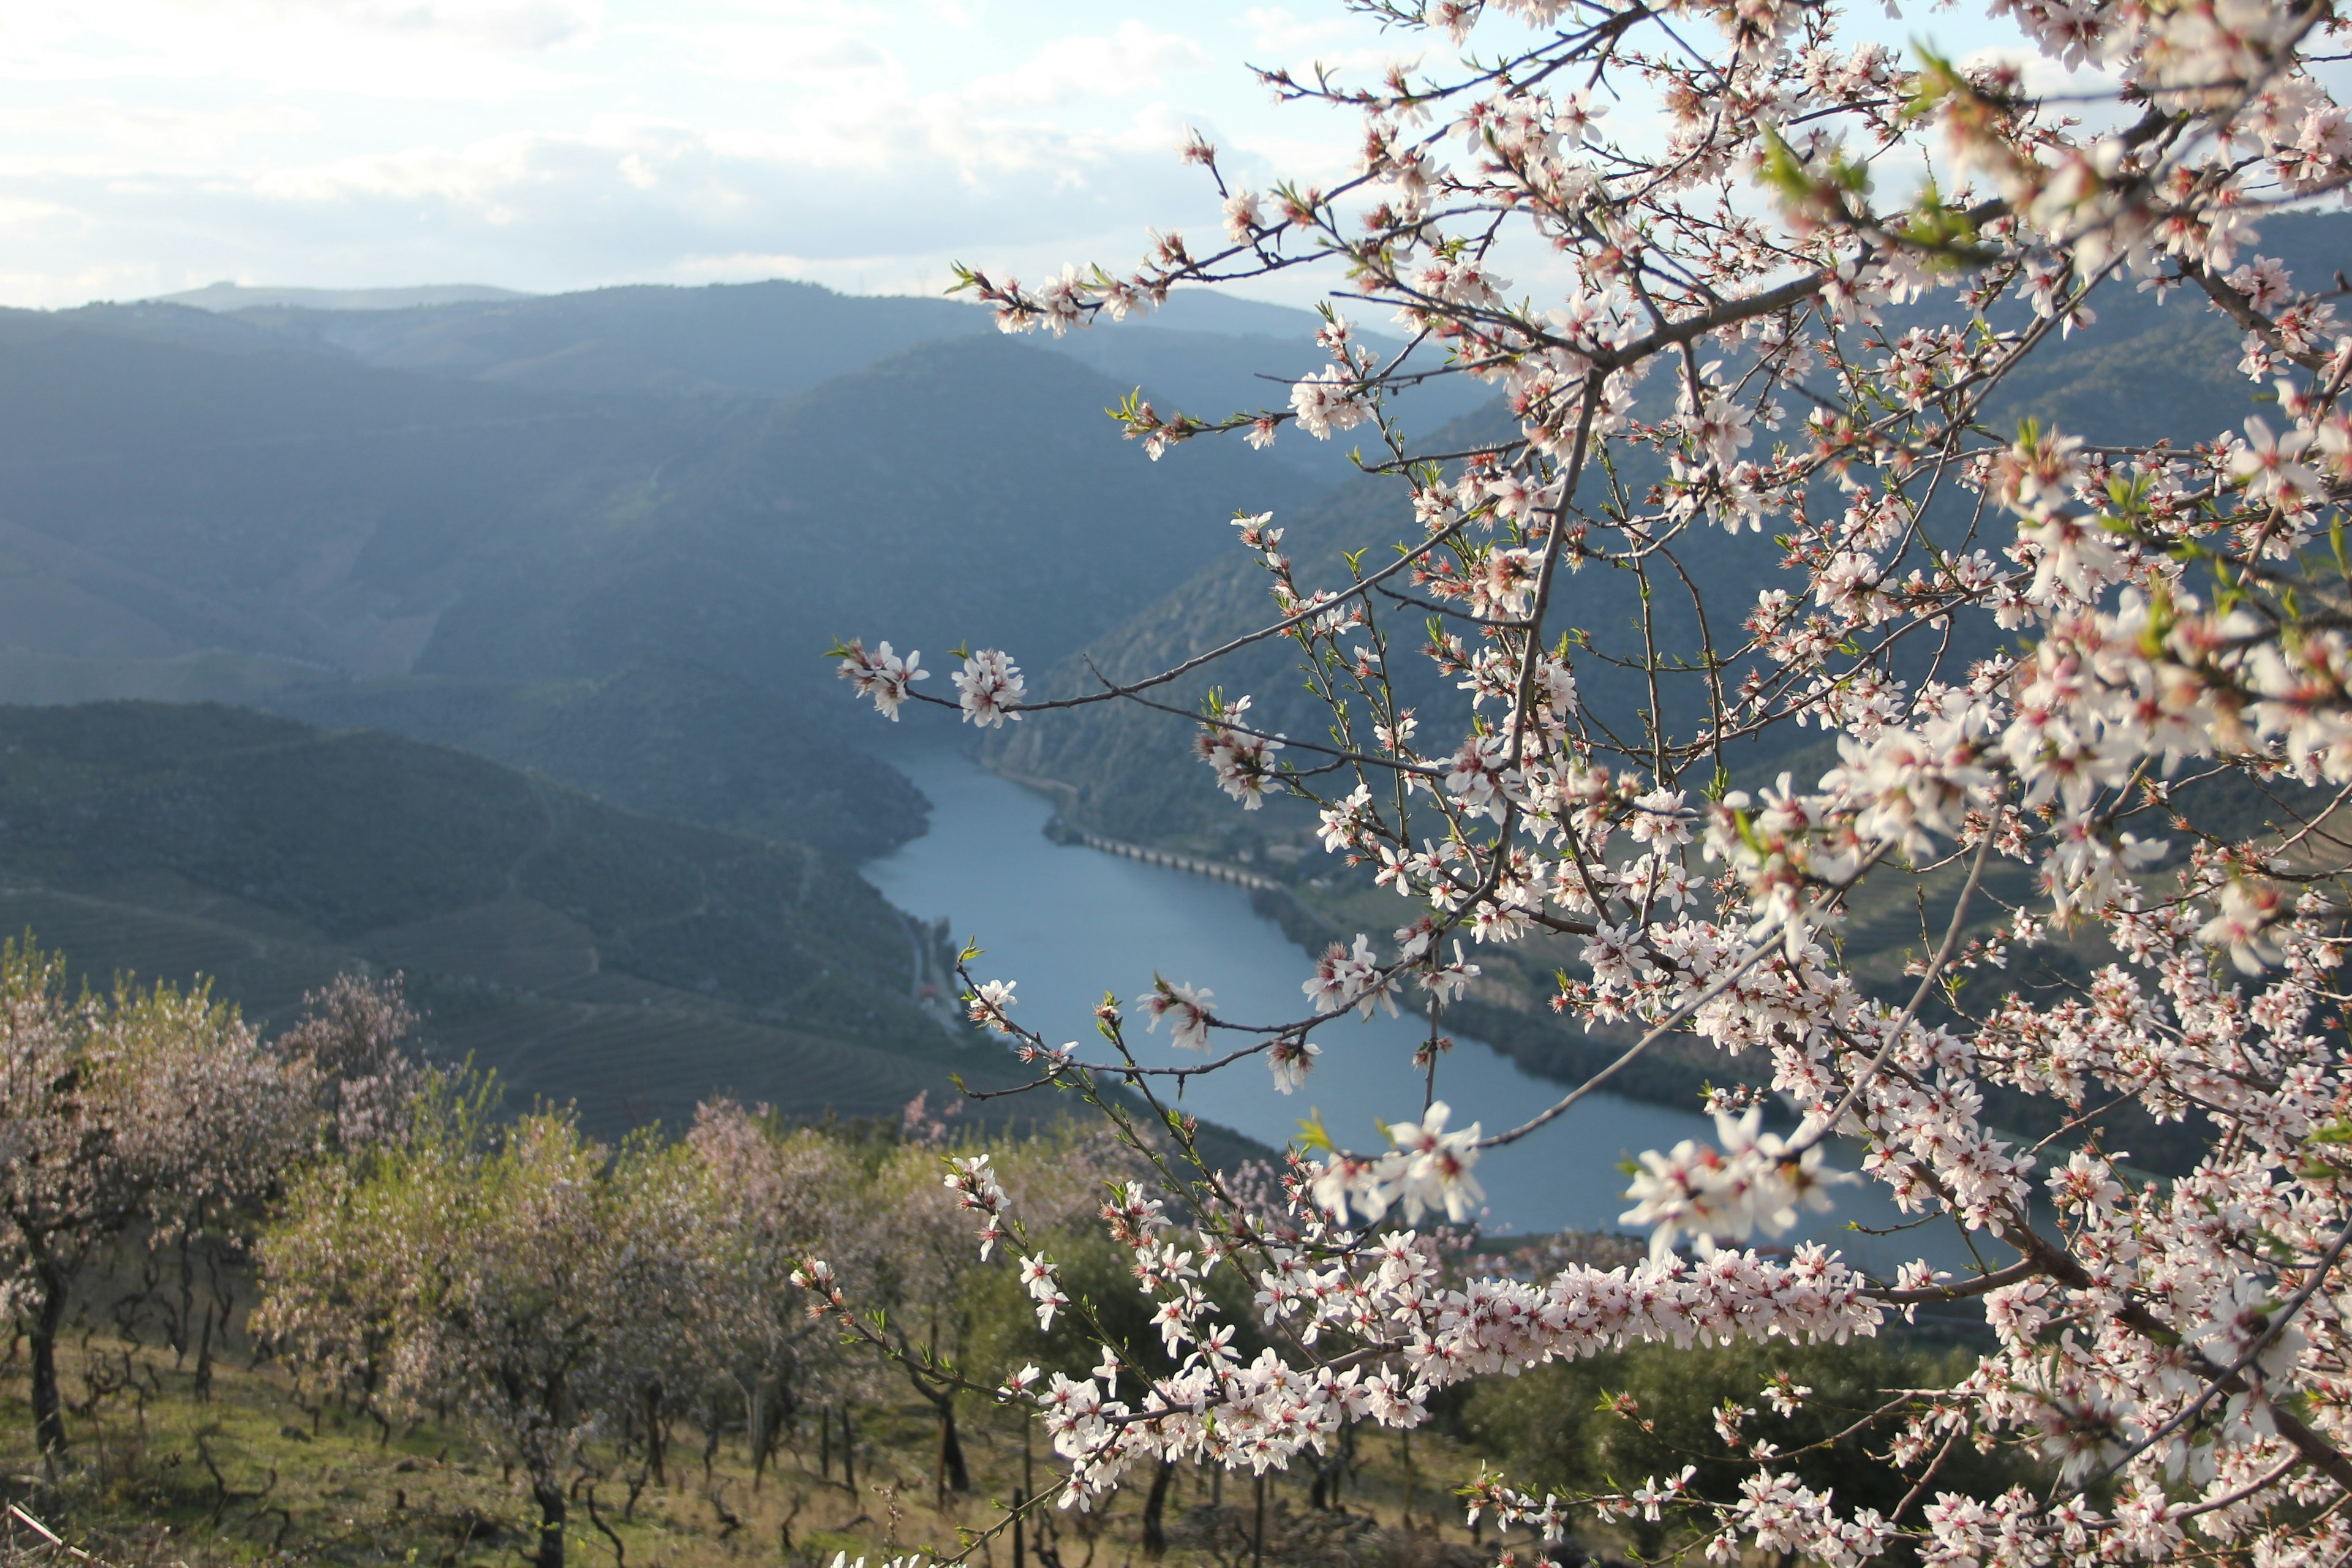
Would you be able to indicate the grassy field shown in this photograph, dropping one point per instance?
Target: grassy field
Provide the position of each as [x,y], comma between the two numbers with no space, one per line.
[167,1470]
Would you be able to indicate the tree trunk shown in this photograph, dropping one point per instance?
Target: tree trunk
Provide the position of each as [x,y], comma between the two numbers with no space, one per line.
[549,1497]
[186,1316]
[203,1384]
[778,1410]
[955,1475]
[655,1436]
[1330,1471]
[1155,1512]
[49,1413]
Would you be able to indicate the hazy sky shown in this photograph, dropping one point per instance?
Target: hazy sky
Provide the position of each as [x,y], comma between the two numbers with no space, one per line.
[151,146]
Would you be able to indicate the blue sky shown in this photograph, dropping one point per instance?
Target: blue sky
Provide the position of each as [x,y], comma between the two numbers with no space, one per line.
[153,145]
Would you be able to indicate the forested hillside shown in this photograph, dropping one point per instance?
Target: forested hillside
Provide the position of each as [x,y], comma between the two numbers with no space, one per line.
[587,953]
[664,736]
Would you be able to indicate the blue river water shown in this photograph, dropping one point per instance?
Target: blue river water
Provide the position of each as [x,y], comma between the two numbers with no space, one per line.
[1068,923]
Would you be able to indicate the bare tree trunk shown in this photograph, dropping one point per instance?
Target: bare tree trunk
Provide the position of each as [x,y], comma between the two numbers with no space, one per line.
[203,1384]
[1155,1512]
[784,1408]
[755,1429]
[655,1436]
[549,1494]
[48,1412]
[954,1474]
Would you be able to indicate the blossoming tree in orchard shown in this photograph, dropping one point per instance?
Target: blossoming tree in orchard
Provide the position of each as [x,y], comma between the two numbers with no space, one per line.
[155,1112]
[471,1269]
[1790,270]
[709,1325]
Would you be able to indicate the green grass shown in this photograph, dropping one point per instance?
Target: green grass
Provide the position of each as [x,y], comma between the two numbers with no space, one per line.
[248,1473]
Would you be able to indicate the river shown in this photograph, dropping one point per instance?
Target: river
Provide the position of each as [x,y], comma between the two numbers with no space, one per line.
[1066,923]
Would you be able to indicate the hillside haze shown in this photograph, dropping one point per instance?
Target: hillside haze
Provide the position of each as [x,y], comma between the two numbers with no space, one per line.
[605,538]
[174,480]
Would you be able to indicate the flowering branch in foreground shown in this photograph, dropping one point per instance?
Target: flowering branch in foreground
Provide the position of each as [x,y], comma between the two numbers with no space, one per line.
[2032,648]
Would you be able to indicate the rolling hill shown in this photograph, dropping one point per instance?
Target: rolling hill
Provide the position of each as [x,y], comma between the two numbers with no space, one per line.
[588,954]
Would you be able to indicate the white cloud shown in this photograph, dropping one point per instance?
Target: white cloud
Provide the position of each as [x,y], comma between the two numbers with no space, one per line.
[1134,59]
[553,143]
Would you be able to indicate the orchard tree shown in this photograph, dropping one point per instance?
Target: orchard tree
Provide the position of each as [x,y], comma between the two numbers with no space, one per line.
[358,1034]
[717,1222]
[157,1114]
[774,1196]
[1784,270]
[475,1267]
[912,1266]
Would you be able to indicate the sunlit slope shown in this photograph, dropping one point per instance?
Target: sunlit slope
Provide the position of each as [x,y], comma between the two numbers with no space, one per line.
[631,964]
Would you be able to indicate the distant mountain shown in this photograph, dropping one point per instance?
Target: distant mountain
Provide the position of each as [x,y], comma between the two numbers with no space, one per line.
[271,483]
[587,952]
[776,338]
[160,496]
[1203,352]
[193,507]
[960,493]
[225,296]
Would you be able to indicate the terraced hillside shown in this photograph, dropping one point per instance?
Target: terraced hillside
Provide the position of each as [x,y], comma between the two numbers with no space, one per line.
[588,954]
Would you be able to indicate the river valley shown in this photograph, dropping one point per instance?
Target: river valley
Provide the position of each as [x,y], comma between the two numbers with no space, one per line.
[1066,923]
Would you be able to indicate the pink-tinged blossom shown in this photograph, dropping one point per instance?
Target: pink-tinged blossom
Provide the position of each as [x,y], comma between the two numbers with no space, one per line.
[1242,219]
[1291,1057]
[1243,761]
[2272,466]
[990,688]
[1186,1007]
[1754,1181]
[1350,977]
[881,675]
[991,1005]
[1327,401]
